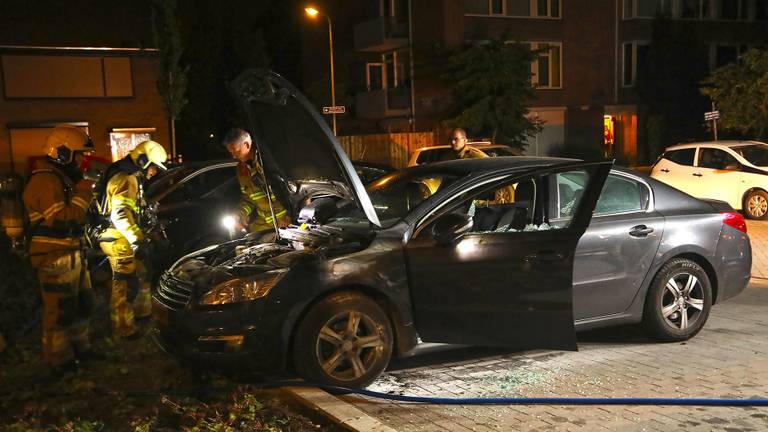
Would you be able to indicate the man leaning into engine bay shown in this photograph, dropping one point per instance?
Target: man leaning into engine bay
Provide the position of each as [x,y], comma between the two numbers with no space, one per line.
[256,211]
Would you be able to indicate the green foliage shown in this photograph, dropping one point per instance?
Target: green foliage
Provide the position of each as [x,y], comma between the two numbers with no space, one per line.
[491,90]
[243,413]
[740,91]
[172,82]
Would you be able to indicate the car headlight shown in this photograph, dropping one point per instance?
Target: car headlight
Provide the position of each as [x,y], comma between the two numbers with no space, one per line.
[238,290]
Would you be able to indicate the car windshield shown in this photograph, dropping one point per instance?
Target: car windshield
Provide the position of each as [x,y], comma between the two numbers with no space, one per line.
[756,154]
[394,196]
[166,180]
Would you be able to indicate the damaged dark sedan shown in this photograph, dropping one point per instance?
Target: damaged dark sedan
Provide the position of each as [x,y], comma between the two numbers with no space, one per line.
[476,252]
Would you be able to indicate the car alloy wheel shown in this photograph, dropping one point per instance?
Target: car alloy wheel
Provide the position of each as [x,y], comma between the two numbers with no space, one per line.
[678,301]
[683,301]
[344,340]
[348,346]
[757,204]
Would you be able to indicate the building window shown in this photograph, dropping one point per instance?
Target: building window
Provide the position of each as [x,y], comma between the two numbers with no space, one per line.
[548,8]
[514,8]
[520,8]
[635,58]
[123,140]
[546,70]
[395,8]
[723,54]
[374,76]
[731,9]
[761,10]
[646,8]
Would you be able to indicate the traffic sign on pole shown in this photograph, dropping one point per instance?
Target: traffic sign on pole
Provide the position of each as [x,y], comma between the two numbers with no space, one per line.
[338,109]
[711,115]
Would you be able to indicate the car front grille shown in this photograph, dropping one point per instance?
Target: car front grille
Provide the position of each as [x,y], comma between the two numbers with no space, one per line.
[173,292]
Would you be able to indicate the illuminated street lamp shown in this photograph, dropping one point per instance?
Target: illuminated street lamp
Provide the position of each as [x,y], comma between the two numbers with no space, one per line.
[312,13]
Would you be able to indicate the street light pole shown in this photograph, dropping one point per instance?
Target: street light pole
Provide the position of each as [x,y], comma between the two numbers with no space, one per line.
[333,82]
[312,12]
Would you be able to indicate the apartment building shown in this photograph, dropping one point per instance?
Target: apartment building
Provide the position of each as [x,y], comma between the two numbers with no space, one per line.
[584,78]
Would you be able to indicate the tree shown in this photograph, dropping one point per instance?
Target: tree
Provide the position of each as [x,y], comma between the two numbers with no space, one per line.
[740,91]
[491,89]
[172,82]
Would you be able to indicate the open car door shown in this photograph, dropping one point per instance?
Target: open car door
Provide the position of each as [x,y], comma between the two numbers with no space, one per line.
[505,277]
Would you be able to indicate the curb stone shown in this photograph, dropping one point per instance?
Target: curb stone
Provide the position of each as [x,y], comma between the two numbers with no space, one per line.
[342,413]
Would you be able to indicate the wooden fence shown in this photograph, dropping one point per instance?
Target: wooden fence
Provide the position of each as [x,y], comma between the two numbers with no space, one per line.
[392,149]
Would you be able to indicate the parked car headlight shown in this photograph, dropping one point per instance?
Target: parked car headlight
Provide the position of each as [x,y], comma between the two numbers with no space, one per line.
[238,290]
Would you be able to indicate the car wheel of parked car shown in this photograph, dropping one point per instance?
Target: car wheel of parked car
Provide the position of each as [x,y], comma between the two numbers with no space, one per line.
[344,340]
[678,301]
[756,204]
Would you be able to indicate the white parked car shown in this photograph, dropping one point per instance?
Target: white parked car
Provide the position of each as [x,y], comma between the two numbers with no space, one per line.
[731,171]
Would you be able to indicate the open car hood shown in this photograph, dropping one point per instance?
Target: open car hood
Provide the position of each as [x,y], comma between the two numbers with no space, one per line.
[298,149]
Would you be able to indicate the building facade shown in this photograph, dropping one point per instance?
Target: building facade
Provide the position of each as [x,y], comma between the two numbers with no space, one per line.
[83,63]
[109,92]
[585,75]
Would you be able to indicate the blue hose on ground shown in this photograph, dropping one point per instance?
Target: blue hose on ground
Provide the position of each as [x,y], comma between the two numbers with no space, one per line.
[762,402]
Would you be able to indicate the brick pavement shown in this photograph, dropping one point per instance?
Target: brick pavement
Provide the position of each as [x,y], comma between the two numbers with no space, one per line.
[729,358]
[758,234]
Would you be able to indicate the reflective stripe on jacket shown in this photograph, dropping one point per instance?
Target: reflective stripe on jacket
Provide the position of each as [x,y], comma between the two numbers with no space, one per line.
[122,195]
[56,210]
[254,198]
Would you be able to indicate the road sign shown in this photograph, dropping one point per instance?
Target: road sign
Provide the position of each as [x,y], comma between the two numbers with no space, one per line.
[711,115]
[338,109]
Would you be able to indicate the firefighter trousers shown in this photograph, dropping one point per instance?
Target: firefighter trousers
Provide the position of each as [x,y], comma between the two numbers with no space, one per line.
[63,283]
[131,297]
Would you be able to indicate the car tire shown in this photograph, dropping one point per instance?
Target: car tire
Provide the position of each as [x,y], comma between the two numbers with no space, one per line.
[756,205]
[344,340]
[678,301]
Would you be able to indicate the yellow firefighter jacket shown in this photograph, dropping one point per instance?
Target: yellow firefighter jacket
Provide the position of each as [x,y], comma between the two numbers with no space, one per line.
[255,199]
[56,211]
[122,205]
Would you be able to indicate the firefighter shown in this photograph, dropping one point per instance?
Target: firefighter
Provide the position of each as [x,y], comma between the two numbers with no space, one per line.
[123,242]
[254,209]
[56,200]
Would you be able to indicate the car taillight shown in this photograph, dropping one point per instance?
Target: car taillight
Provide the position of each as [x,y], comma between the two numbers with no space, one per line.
[735,220]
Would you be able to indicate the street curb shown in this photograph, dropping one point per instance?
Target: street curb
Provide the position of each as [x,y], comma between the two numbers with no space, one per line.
[342,413]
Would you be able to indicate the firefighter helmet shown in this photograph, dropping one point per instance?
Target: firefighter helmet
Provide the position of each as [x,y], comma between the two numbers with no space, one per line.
[148,153]
[64,141]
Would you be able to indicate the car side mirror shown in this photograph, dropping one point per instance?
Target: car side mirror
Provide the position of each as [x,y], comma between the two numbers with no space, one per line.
[450,227]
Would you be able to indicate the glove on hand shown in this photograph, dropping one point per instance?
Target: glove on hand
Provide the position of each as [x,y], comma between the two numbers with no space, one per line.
[142,249]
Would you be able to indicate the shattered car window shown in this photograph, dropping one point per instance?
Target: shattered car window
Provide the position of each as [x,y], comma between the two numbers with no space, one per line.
[538,203]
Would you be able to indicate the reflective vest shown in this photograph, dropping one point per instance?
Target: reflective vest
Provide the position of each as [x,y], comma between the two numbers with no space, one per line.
[122,202]
[254,199]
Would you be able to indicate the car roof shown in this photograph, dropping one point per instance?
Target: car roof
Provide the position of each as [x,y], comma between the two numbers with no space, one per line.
[725,144]
[462,167]
[480,144]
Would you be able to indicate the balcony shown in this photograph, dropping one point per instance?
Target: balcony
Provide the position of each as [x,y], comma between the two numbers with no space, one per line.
[384,103]
[381,34]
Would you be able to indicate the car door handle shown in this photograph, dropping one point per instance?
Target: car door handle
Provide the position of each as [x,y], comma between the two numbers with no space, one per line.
[696,174]
[543,256]
[640,231]
[664,170]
